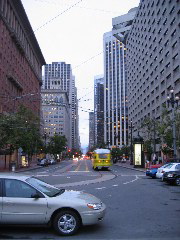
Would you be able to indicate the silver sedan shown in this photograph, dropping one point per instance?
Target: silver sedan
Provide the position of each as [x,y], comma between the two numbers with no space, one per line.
[28,200]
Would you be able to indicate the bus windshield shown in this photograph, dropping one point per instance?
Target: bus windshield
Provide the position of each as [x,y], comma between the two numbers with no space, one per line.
[103,155]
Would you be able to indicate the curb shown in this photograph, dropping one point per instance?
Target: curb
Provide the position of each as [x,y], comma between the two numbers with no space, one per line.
[136,169]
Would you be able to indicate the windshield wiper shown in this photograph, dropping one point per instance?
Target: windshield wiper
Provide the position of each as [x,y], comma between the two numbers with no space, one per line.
[58,193]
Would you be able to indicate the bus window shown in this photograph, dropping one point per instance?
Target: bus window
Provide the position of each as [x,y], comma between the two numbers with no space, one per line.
[103,156]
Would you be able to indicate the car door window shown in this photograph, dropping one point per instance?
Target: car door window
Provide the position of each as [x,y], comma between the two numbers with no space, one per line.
[16,188]
[177,166]
[0,188]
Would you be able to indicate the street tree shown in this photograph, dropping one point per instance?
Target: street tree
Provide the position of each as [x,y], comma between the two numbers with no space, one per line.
[28,132]
[20,130]
[56,145]
[115,153]
[165,131]
[7,133]
[160,131]
[149,128]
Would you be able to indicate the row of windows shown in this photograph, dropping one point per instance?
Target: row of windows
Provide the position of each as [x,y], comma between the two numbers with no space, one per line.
[19,35]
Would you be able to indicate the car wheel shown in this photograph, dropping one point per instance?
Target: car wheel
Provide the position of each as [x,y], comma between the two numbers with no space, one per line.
[177,181]
[66,222]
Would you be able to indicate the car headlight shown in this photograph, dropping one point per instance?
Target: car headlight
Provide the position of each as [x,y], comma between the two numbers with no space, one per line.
[170,175]
[95,206]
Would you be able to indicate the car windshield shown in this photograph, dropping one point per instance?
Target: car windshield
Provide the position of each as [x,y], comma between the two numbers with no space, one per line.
[169,166]
[44,187]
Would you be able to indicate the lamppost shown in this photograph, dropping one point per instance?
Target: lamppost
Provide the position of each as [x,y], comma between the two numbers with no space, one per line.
[131,127]
[173,100]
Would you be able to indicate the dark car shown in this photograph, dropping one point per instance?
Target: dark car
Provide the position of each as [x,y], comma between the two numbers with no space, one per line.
[172,177]
[152,170]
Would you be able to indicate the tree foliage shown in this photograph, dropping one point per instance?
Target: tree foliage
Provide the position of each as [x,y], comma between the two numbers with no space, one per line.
[56,145]
[20,129]
[162,130]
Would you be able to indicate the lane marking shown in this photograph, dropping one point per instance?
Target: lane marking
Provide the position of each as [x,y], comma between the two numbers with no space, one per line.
[115,185]
[100,188]
[132,180]
[86,166]
[41,175]
[131,175]
[77,169]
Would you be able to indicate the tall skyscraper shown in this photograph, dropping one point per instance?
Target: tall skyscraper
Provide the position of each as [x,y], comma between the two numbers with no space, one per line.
[91,130]
[99,110]
[60,72]
[58,75]
[115,94]
[75,117]
[153,58]
[115,81]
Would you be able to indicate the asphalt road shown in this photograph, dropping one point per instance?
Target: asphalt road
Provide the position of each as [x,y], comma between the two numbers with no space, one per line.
[138,207]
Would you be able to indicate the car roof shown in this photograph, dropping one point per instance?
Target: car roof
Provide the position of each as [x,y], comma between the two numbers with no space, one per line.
[17,176]
[101,150]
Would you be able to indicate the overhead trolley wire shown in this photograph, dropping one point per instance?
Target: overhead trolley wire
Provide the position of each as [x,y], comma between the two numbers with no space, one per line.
[52,19]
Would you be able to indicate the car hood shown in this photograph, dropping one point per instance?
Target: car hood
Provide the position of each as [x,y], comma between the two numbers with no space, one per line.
[70,194]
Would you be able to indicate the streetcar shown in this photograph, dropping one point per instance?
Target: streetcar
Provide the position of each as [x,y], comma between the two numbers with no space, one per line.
[101,158]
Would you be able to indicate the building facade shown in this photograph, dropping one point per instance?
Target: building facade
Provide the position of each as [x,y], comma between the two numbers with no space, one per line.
[58,75]
[99,110]
[153,58]
[91,130]
[56,113]
[21,62]
[115,92]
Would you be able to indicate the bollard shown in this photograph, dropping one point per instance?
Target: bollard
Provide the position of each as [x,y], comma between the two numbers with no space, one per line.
[13,168]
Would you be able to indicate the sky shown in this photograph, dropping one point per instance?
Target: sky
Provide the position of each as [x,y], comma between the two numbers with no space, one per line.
[72,31]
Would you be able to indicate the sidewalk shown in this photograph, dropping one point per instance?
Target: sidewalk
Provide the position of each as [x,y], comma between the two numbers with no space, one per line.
[23,169]
[129,166]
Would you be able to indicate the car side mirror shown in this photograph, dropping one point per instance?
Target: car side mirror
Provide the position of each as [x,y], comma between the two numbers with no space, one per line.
[36,196]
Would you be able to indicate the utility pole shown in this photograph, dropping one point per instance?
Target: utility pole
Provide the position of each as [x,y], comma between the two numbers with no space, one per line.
[131,147]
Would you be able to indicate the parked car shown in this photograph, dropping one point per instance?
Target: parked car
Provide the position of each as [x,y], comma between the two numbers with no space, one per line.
[52,161]
[168,167]
[172,177]
[43,162]
[152,170]
[36,202]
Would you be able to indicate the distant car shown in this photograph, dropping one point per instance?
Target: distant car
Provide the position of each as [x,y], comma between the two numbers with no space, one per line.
[52,161]
[75,159]
[168,167]
[172,177]
[28,200]
[43,162]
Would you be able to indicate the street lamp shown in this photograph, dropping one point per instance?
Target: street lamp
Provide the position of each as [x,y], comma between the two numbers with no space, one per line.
[131,127]
[173,100]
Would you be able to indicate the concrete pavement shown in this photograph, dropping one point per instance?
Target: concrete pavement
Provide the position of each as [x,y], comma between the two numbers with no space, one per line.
[129,166]
[101,178]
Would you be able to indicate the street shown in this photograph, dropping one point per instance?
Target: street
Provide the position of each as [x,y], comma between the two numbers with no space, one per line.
[138,207]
